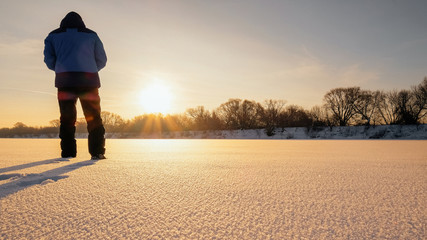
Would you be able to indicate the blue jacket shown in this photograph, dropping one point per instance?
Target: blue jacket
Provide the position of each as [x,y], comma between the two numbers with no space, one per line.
[75,53]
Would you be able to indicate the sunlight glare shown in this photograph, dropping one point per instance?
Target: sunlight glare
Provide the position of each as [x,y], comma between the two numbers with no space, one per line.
[156,98]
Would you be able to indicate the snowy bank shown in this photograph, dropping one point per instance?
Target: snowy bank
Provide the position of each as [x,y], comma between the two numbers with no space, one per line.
[413,132]
[416,132]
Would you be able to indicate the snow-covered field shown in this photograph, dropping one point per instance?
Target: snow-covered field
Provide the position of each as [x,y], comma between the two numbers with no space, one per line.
[215,189]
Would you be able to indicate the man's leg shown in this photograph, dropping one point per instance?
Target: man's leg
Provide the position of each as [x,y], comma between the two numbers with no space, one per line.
[67,106]
[91,104]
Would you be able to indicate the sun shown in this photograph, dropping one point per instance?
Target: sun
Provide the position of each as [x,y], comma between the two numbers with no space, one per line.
[156,98]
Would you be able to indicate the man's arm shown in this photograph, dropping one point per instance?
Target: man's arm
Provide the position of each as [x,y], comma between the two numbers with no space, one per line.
[49,54]
[100,55]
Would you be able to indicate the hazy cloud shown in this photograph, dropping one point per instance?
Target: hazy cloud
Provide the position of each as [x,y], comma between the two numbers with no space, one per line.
[26,47]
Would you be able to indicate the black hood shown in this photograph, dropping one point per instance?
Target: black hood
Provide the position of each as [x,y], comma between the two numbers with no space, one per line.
[72,20]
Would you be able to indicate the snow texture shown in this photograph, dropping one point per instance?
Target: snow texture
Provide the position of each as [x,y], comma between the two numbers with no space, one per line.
[215,189]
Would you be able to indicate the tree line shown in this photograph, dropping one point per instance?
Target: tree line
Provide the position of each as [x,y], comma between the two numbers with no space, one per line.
[341,107]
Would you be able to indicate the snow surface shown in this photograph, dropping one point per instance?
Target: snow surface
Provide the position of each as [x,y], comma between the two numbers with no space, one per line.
[215,189]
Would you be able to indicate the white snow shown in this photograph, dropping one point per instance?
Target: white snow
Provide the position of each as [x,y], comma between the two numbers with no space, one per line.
[215,189]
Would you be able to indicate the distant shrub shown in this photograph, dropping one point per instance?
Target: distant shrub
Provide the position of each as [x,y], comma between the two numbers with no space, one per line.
[269,131]
[379,134]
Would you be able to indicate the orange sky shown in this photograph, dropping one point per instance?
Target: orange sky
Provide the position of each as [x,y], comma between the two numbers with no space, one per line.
[205,52]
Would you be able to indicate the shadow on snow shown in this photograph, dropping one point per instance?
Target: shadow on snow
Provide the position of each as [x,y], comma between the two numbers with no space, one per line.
[33,164]
[22,181]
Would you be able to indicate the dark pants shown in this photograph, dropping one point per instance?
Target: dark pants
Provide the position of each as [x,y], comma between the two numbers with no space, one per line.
[90,101]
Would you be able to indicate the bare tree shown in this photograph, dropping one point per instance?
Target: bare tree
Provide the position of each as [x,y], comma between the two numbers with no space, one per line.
[239,114]
[215,122]
[179,122]
[412,104]
[419,107]
[319,116]
[387,107]
[367,105]
[81,125]
[200,117]
[405,108]
[55,123]
[248,114]
[341,102]
[295,116]
[228,113]
[112,122]
[270,114]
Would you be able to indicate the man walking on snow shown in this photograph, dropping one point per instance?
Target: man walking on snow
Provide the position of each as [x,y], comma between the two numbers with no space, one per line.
[76,54]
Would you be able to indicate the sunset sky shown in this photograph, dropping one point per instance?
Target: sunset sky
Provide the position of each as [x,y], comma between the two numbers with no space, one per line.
[205,52]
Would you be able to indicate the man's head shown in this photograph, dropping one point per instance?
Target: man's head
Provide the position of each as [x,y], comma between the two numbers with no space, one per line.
[72,20]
